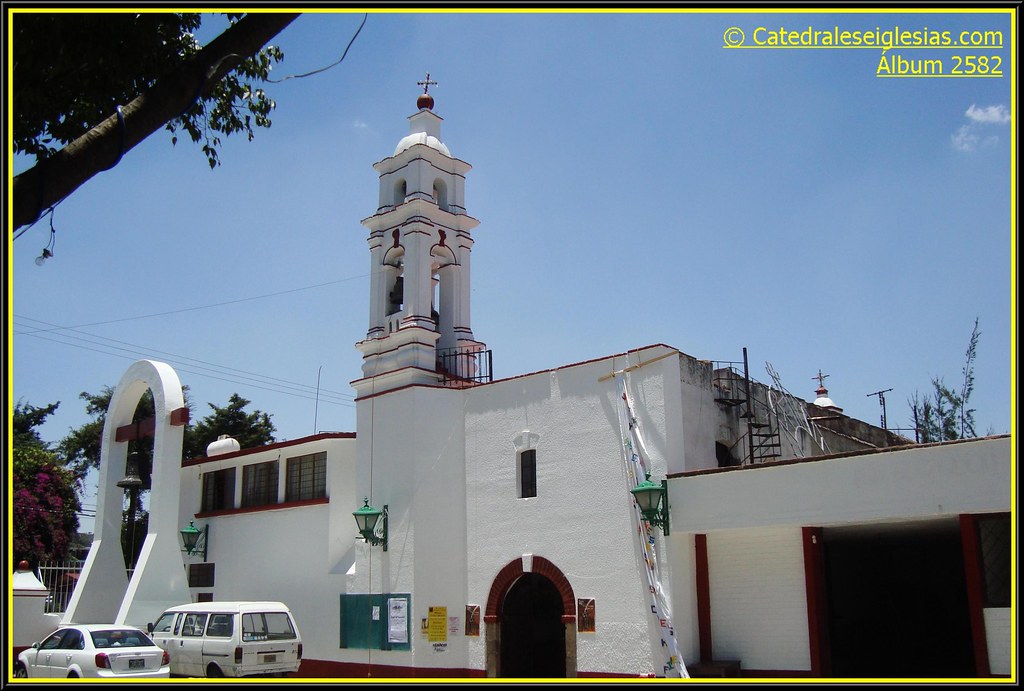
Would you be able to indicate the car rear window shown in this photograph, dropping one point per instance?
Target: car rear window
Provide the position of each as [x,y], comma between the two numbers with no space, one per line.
[267,626]
[119,638]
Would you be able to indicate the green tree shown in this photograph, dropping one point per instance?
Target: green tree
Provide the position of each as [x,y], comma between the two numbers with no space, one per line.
[944,414]
[249,429]
[98,84]
[25,419]
[46,505]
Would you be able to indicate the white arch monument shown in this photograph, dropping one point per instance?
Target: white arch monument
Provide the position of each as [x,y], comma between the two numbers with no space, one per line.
[104,593]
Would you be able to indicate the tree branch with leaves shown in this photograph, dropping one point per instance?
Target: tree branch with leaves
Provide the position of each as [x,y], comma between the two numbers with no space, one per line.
[199,93]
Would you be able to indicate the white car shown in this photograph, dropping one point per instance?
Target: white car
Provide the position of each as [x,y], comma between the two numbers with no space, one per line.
[108,651]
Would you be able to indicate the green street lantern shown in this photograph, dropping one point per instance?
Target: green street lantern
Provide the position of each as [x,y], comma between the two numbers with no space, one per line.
[195,539]
[367,518]
[652,499]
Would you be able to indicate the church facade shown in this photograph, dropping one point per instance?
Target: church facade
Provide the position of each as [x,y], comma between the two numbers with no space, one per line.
[793,541]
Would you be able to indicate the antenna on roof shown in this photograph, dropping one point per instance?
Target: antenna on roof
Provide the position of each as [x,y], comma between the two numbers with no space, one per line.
[881,400]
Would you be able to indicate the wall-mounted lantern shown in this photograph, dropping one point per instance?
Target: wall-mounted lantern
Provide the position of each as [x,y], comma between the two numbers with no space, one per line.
[652,499]
[194,539]
[367,518]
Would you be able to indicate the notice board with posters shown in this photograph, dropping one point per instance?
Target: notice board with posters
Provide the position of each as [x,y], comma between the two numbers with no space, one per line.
[375,622]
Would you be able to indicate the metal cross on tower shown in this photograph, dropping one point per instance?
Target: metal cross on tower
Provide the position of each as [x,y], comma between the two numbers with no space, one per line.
[821,379]
[426,83]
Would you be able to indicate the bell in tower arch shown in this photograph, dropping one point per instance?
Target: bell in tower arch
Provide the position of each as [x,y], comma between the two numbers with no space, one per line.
[397,296]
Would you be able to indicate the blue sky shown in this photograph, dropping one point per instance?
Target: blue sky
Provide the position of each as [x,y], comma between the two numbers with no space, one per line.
[635,183]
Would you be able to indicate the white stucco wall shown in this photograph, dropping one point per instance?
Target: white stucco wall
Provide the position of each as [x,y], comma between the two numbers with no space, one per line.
[418,469]
[581,518]
[285,554]
[998,624]
[759,598]
[903,484]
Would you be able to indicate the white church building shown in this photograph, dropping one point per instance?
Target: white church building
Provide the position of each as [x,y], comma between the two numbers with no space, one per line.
[792,541]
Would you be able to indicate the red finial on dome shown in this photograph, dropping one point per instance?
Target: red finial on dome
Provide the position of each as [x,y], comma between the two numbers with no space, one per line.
[22,565]
[426,100]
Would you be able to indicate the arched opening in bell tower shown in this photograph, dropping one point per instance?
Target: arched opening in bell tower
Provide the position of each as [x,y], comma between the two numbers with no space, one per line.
[441,194]
[400,192]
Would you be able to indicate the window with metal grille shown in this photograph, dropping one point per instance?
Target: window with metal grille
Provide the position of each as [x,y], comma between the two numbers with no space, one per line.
[219,490]
[528,473]
[307,477]
[994,535]
[259,484]
[200,575]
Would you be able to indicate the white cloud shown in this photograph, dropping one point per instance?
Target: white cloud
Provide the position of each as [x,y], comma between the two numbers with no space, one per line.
[968,137]
[992,115]
[965,139]
[360,125]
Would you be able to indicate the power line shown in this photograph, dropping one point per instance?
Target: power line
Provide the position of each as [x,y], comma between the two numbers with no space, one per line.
[226,377]
[202,307]
[143,350]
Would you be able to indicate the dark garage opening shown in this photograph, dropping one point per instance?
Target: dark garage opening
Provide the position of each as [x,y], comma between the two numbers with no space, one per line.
[897,601]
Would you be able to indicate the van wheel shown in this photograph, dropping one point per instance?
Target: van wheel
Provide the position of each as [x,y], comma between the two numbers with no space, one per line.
[214,671]
[20,672]
[72,675]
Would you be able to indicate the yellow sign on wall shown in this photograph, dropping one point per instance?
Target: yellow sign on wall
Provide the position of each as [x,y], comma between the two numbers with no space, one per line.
[437,621]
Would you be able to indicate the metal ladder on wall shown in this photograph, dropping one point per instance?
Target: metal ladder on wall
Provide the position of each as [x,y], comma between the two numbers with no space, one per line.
[761,441]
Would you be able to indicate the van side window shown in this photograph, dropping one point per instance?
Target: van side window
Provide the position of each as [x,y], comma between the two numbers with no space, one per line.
[164,623]
[177,624]
[220,625]
[194,624]
[263,626]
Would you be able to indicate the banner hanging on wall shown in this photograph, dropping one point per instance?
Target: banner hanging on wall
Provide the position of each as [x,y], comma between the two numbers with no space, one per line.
[634,453]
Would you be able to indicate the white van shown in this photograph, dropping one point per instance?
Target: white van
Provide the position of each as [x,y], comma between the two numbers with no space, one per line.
[229,639]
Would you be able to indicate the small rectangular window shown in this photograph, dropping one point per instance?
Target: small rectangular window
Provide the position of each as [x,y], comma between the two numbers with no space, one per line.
[219,490]
[307,477]
[528,473]
[200,575]
[259,484]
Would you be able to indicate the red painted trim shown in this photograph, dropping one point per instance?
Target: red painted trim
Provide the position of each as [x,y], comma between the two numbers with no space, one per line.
[136,430]
[974,572]
[817,601]
[777,673]
[328,669]
[703,586]
[268,447]
[179,416]
[512,571]
[265,507]
[398,347]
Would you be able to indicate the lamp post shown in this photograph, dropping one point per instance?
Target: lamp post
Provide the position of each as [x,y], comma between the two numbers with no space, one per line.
[367,518]
[652,499]
[195,539]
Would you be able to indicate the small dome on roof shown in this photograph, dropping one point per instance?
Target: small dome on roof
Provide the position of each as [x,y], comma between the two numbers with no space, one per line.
[421,138]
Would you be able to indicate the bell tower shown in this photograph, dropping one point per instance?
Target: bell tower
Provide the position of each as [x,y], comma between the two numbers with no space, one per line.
[420,242]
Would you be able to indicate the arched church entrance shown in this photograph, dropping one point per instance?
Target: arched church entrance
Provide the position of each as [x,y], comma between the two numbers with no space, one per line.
[532,633]
[531,622]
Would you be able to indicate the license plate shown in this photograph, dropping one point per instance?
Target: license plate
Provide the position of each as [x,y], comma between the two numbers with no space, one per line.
[137,664]
[270,658]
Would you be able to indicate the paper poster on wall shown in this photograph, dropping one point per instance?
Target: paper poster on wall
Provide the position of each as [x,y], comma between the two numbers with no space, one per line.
[376,613]
[454,624]
[398,620]
[437,620]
